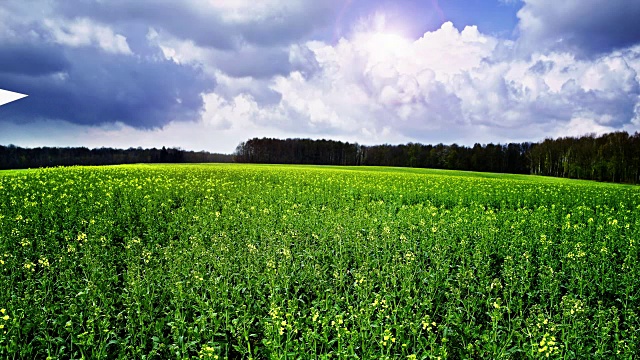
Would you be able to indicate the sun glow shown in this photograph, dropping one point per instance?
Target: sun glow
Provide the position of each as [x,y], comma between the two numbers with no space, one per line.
[387,44]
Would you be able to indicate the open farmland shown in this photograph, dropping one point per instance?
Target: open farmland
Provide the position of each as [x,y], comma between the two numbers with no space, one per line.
[218,261]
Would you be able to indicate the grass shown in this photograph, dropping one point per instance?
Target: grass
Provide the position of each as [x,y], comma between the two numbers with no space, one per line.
[259,261]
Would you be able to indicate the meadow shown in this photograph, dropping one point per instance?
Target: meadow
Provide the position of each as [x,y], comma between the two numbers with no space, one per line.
[274,262]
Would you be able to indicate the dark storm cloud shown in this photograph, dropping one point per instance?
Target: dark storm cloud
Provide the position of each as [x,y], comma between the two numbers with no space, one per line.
[94,87]
[254,62]
[79,81]
[31,60]
[205,25]
[286,28]
[586,26]
[203,28]
[263,63]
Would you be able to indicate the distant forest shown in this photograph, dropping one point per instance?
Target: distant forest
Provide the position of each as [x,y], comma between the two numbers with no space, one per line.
[613,157]
[14,157]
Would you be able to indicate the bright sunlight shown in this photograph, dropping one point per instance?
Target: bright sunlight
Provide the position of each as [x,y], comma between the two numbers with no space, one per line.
[385,44]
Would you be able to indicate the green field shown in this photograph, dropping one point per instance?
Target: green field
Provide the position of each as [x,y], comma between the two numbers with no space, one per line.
[240,261]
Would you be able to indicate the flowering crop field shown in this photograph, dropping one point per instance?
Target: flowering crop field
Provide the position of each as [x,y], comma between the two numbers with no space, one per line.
[251,261]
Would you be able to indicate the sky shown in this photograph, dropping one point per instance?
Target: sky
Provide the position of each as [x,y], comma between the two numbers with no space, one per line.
[209,74]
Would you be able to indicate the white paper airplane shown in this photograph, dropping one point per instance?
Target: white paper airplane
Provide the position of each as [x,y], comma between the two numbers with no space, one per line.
[9,96]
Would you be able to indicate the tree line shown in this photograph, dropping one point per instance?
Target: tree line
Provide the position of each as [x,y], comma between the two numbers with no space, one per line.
[14,157]
[613,157]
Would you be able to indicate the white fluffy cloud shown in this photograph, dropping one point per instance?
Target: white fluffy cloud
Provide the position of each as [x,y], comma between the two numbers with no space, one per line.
[84,32]
[449,85]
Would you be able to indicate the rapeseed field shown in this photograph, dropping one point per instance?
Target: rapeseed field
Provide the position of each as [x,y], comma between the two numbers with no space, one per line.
[274,262]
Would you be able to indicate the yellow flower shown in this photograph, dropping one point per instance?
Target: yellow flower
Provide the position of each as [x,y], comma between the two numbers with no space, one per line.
[5,318]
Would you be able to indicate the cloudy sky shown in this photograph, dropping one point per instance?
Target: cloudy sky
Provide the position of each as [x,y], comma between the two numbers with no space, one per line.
[208,74]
